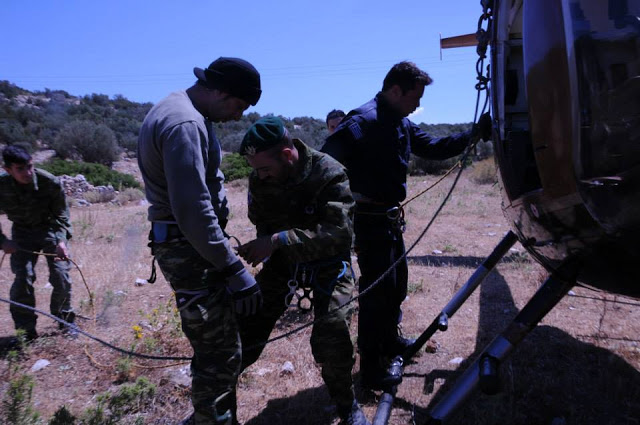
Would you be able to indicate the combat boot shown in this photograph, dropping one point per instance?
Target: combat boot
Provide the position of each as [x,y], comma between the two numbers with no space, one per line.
[70,330]
[371,373]
[401,344]
[30,335]
[352,415]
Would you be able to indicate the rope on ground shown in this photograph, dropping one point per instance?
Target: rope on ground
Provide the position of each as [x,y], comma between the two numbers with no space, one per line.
[95,338]
[182,360]
[136,365]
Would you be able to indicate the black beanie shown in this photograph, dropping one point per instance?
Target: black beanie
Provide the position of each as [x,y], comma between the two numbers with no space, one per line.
[234,76]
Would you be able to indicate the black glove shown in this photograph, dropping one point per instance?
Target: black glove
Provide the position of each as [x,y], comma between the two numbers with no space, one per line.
[483,129]
[245,293]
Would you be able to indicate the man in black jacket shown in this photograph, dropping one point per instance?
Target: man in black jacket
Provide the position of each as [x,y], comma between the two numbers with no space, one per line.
[375,142]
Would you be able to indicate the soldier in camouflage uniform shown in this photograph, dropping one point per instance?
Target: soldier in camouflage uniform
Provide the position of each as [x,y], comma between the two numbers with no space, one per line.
[179,157]
[34,201]
[300,202]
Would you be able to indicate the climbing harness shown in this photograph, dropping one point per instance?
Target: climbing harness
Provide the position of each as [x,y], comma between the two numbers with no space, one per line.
[293,288]
[302,289]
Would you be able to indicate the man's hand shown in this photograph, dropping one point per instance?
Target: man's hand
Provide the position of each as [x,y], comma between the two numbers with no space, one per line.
[62,251]
[483,129]
[247,298]
[258,250]
[9,246]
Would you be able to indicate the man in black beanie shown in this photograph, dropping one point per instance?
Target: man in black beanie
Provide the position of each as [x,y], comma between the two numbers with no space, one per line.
[179,157]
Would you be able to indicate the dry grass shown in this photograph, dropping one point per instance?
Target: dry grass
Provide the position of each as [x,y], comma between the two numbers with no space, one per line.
[582,364]
[484,172]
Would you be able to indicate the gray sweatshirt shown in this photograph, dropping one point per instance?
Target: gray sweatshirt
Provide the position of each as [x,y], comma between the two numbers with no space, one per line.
[179,157]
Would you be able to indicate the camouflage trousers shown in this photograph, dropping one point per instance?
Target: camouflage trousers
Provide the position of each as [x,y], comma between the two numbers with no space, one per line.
[211,327]
[330,339]
[23,266]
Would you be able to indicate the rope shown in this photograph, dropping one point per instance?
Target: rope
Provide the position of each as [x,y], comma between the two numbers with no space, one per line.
[64,322]
[457,164]
[46,254]
[95,338]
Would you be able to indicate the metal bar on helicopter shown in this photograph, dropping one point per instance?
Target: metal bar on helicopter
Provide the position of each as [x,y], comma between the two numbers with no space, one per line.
[466,40]
[485,367]
[441,322]
[385,404]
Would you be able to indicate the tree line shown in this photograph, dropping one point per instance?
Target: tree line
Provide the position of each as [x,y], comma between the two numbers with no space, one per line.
[98,129]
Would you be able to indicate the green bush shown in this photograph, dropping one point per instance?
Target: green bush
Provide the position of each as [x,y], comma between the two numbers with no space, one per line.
[234,167]
[96,174]
[11,90]
[17,408]
[87,141]
[111,408]
[62,416]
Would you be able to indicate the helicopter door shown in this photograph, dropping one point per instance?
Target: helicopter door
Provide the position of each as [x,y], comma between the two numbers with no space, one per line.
[514,148]
[605,37]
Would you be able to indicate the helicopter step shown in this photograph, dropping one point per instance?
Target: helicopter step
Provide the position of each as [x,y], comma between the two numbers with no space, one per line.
[483,372]
[440,323]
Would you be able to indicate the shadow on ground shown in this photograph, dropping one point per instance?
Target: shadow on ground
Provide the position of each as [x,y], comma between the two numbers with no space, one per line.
[550,377]
[307,406]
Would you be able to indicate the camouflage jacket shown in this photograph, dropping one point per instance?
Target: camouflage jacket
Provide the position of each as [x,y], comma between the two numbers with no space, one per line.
[312,211]
[40,205]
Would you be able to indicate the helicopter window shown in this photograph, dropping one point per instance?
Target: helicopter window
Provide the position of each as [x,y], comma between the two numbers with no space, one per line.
[515,151]
[606,38]
[511,87]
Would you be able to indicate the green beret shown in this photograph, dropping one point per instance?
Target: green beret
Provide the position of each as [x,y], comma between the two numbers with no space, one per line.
[264,134]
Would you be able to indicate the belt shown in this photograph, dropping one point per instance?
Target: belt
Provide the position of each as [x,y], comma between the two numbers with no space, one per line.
[163,231]
[369,208]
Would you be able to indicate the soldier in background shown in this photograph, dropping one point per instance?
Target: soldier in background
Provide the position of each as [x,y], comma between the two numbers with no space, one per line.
[179,157]
[300,202]
[333,119]
[35,202]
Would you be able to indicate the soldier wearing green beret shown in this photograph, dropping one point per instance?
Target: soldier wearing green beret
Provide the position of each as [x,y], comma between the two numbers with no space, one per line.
[301,205]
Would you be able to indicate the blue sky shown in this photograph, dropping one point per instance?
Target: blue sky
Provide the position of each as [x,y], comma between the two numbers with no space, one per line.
[313,56]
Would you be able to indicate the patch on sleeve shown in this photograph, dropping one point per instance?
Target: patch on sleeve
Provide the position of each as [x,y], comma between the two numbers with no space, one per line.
[355,130]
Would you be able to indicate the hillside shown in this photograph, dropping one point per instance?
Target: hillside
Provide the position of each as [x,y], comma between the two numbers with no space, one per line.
[52,117]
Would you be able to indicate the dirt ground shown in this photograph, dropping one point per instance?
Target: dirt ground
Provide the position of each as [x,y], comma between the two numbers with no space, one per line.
[580,366]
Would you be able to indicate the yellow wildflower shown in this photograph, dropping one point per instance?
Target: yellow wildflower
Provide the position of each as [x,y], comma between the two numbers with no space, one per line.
[137,331]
